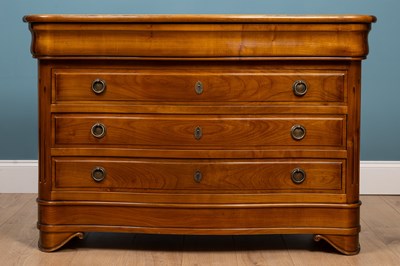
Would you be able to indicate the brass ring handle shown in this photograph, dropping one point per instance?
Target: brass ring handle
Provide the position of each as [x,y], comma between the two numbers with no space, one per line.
[198,176]
[300,88]
[198,87]
[298,132]
[99,86]
[198,133]
[98,174]
[298,175]
[98,130]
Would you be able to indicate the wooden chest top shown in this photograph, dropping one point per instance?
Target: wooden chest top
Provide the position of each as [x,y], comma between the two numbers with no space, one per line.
[199,35]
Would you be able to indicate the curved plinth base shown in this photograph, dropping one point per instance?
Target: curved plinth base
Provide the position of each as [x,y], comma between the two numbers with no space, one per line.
[52,241]
[346,244]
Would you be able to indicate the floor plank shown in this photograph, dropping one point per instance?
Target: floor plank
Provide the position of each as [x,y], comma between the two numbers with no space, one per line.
[102,249]
[152,250]
[262,250]
[206,250]
[303,250]
[10,203]
[393,201]
[382,226]
[18,232]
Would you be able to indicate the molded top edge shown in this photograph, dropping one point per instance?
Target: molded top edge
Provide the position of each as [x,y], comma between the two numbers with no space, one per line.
[209,18]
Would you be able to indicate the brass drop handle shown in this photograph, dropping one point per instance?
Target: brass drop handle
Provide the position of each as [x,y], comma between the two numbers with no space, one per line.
[198,176]
[298,132]
[98,130]
[98,174]
[198,87]
[198,132]
[298,175]
[98,86]
[300,88]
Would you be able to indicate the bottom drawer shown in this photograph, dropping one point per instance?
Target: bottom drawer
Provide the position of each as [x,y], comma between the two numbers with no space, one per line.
[197,176]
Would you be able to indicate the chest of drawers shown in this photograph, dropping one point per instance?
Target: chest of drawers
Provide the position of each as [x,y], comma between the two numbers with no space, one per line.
[206,124]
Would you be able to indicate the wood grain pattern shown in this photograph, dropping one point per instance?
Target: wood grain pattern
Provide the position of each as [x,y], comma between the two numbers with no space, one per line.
[217,131]
[198,218]
[178,175]
[200,108]
[174,86]
[236,132]
[201,40]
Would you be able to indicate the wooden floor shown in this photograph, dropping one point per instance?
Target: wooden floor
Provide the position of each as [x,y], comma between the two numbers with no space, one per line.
[380,243]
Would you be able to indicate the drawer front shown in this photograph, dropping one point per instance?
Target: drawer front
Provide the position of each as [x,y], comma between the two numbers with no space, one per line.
[197,131]
[178,86]
[196,175]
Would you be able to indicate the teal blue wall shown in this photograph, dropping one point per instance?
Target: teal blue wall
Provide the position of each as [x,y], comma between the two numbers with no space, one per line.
[380,98]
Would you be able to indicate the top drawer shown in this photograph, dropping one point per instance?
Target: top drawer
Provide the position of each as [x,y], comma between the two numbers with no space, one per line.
[200,86]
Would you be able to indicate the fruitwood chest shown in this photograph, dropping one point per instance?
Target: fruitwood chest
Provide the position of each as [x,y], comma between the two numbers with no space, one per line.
[199,124]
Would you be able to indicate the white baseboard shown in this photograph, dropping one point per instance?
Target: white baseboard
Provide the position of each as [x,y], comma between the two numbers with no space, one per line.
[18,176]
[380,177]
[377,177]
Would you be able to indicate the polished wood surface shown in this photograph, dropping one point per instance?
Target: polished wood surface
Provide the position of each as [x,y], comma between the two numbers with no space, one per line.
[217,131]
[18,242]
[177,86]
[177,176]
[203,18]
[205,36]
[248,126]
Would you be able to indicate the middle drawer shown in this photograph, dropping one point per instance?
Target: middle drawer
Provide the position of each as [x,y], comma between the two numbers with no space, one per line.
[195,131]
